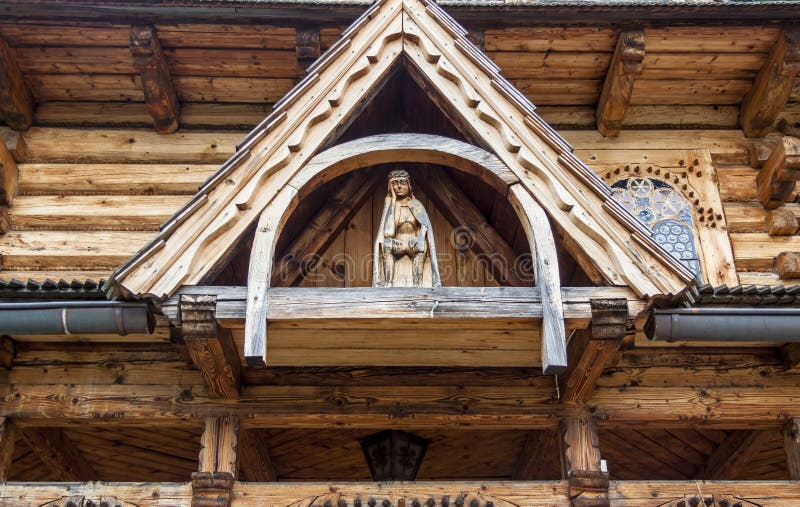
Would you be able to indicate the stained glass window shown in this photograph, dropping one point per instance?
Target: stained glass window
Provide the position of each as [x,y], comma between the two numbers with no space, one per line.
[657,205]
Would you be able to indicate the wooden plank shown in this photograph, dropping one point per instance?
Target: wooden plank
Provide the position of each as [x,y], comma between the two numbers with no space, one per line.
[211,348]
[75,60]
[226,35]
[24,33]
[778,177]
[8,439]
[550,38]
[580,457]
[701,65]
[542,244]
[213,483]
[16,101]
[106,212]
[694,91]
[116,179]
[323,228]
[726,38]
[254,460]
[141,494]
[86,87]
[773,85]
[791,445]
[648,493]
[48,145]
[159,92]
[486,242]
[59,454]
[9,175]
[734,454]
[232,89]
[203,62]
[539,459]
[557,65]
[575,92]
[783,222]
[590,352]
[757,251]
[69,250]
[787,265]
[618,87]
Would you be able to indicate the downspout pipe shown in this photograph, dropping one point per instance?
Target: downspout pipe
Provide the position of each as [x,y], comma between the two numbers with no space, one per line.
[75,317]
[728,324]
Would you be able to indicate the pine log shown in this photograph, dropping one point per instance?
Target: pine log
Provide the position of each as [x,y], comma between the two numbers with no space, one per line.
[791,444]
[787,264]
[618,87]
[8,439]
[782,222]
[777,178]
[159,92]
[16,100]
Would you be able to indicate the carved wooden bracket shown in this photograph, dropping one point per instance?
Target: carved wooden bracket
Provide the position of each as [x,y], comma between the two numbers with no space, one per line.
[777,179]
[16,99]
[626,64]
[159,92]
[212,489]
[82,501]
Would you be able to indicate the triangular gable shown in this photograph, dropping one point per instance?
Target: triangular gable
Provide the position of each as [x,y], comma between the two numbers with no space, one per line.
[201,235]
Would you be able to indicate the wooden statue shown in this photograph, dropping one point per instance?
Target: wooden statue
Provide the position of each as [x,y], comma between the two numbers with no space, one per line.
[405,234]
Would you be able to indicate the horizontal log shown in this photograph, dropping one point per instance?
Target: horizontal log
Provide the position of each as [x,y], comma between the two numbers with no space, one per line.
[102,212]
[425,305]
[125,146]
[36,34]
[558,65]
[648,493]
[550,38]
[737,182]
[69,250]
[756,251]
[41,276]
[701,65]
[696,91]
[82,179]
[676,116]
[732,39]
[198,35]
[236,63]
[24,494]
[75,60]
[257,89]
[89,87]
[751,216]
[402,407]
[560,91]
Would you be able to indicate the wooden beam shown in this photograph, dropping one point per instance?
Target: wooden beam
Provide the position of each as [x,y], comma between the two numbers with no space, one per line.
[790,353]
[300,257]
[59,454]
[254,460]
[9,175]
[159,91]
[782,222]
[308,47]
[16,99]
[485,241]
[8,440]
[733,454]
[539,459]
[777,178]
[7,350]
[787,265]
[212,484]
[615,98]
[582,466]
[791,444]
[537,228]
[591,351]
[773,85]
[211,348]
[15,144]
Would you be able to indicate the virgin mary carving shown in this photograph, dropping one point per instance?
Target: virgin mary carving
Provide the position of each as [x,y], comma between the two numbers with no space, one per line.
[404,247]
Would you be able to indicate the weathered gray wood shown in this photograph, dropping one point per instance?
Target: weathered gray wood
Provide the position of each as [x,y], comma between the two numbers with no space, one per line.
[540,236]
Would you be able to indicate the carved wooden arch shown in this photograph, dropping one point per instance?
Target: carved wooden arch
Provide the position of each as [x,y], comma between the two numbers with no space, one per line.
[418,148]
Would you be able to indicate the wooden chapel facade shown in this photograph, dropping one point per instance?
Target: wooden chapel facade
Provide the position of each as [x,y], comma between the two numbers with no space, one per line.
[190,197]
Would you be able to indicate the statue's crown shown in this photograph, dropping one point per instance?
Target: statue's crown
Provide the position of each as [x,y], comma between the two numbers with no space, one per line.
[398,174]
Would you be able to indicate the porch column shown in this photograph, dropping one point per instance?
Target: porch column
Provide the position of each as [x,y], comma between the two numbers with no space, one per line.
[212,484]
[582,465]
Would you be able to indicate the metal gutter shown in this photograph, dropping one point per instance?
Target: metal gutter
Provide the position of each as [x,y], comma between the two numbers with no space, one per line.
[75,317]
[728,324]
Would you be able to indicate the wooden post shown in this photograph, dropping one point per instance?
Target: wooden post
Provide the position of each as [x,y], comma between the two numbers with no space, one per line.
[590,352]
[9,177]
[8,439]
[16,99]
[212,484]
[254,460]
[211,348]
[618,87]
[773,85]
[159,92]
[582,464]
[778,176]
[59,454]
[308,48]
[791,444]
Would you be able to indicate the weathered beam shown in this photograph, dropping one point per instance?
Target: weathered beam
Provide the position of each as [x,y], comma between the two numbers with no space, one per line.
[791,444]
[308,47]
[484,240]
[211,348]
[7,350]
[591,351]
[159,91]
[733,454]
[9,175]
[778,176]
[15,144]
[212,484]
[300,257]
[790,353]
[539,459]
[782,222]
[582,465]
[8,440]
[762,105]
[59,454]
[254,460]
[787,265]
[615,98]
[16,99]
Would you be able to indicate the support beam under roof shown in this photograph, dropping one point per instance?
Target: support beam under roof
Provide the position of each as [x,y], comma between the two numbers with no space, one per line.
[733,453]
[618,87]
[16,99]
[59,454]
[159,91]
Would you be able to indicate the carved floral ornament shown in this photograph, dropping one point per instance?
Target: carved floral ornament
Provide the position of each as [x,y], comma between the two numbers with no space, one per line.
[462,499]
